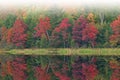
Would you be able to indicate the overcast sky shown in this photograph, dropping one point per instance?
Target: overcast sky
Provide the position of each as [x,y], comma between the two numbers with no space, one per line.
[13,2]
[6,3]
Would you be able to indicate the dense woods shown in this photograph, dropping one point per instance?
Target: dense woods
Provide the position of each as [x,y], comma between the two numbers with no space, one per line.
[59,28]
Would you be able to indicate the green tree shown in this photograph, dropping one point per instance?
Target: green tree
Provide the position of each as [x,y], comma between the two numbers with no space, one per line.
[9,20]
[103,36]
[31,20]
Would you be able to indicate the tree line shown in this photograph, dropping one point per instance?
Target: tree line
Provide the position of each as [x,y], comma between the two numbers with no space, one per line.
[61,30]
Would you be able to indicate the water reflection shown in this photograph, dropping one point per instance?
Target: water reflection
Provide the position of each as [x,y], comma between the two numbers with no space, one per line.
[70,67]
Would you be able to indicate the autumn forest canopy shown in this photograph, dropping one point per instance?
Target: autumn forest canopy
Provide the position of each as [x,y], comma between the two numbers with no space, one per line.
[83,27]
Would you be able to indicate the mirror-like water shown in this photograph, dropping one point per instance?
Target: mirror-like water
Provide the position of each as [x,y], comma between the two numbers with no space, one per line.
[62,67]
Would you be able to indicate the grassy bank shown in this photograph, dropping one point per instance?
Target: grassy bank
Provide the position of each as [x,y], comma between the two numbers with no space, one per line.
[66,51]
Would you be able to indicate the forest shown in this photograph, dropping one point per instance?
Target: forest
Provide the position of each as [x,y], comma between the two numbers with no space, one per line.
[84,27]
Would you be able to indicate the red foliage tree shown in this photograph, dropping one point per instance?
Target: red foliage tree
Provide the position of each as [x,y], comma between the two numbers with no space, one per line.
[17,34]
[115,25]
[42,28]
[114,65]
[16,68]
[60,33]
[84,70]
[61,71]
[9,35]
[115,37]
[19,69]
[3,70]
[63,27]
[6,69]
[89,34]
[84,32]
[9,68]
[61,76]
[41,74]
[79,26]
[89,70]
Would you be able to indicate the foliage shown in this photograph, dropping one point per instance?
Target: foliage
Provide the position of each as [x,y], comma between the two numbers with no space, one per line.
[61,34]
[84,32]
[61,68]
[115,66]
[84,70]
[41,74]
[104,67]
[9,20]
[79,25]
[3,32]
[19,69]
[90,17]
[41,43]
[42,28]
[56,15]
[89,34]
[31,20]
[16,35]
[103,36]
[84,27]
[115,37]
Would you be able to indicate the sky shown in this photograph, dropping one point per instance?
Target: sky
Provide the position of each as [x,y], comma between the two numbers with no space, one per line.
[13,5]
[59,2]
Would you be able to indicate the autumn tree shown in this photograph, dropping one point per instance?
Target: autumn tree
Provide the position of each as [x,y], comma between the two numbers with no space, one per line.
[9,35]
[85,32]
[89,34]
[19,69]
[115,37]
[90,17]
[114,65]
[6,70]
[42,28]
[42,32]
[61,33]
[84,70]
[79,25]
[61,69]
[17,34]
[41,74]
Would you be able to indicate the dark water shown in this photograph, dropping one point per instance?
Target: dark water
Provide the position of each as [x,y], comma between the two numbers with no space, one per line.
[102,65]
